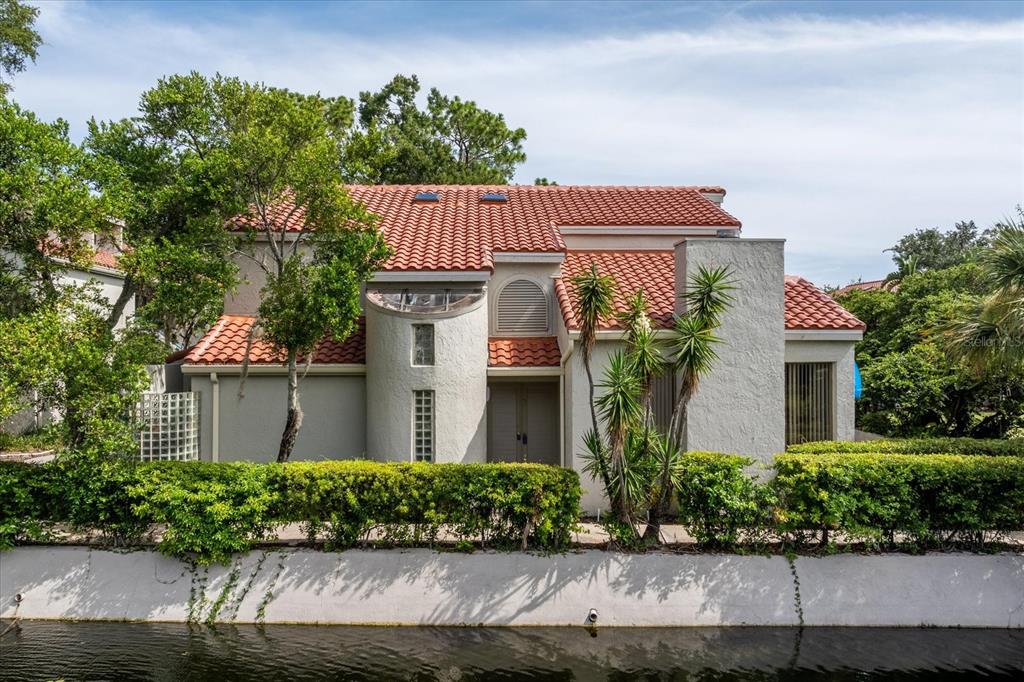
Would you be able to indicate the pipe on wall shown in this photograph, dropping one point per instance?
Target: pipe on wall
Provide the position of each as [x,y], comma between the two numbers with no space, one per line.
[215,430]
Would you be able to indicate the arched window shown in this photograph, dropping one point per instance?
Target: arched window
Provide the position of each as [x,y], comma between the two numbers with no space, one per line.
[522,308]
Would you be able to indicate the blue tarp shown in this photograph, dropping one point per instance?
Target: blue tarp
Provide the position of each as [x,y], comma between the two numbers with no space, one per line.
[857,386]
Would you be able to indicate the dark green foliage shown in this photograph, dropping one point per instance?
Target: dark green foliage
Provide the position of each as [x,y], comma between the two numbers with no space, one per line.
[498,505]
[19,40]
[933,249]
[918,500]
[916,446]
[211,510]
[719,503]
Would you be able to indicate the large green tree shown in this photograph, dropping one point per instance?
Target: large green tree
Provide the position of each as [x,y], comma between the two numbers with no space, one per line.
[48,208]
[315,245]
[451,141]
[935,249]
[19,41]
[171,182]
[913,387]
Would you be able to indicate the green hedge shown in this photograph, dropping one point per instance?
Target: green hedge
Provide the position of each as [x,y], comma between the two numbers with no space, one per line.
[212,510]
[720,504]
[925,500]
[916,446]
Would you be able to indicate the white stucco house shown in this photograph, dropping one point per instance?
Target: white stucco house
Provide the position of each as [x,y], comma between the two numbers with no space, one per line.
[468,348]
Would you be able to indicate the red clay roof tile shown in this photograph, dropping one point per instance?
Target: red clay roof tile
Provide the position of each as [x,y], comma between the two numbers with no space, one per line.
[807,307]
[524,351]
[225,343]
[461,232]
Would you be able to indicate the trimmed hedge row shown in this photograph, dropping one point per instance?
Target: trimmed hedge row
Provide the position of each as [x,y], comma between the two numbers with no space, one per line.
[212,510]
[925,500]
[879,498]
[916,446]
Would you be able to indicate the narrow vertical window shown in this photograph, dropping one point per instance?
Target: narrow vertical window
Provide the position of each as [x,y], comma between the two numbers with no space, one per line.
[423,344]
[809,396]
[423,425]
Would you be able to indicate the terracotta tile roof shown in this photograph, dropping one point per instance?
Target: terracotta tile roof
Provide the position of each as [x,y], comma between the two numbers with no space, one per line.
[461,232]
[652,270]
[524,351]
[870,285]
[807,307]
[105,259]
[224,344]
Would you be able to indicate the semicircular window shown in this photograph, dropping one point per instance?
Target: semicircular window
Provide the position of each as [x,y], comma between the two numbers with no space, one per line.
[425,301]
[522,308]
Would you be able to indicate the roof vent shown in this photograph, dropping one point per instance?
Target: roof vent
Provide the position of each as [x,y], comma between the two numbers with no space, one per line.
[425,196]
[494,196]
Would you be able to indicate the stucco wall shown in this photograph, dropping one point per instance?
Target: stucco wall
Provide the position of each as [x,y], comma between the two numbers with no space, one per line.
[841,354]
[739,406]
[458,379]
[421,587]
[333,426]
[246,298]
[110,288]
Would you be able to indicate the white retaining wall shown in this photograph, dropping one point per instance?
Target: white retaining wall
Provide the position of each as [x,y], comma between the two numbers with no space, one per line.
[422,587]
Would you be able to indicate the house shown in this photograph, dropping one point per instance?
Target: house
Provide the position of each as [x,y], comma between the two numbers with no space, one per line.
[468,351]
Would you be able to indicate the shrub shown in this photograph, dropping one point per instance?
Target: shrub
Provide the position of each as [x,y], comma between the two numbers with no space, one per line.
[211,510]
[718,501]
[916,446]
[502,505]
[22,491]
[925,500]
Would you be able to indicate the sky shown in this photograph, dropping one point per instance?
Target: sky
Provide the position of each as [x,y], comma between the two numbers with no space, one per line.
[837,126]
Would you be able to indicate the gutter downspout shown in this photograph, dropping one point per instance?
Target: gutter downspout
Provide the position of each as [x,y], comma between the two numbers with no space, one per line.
[215,438]
[561,407]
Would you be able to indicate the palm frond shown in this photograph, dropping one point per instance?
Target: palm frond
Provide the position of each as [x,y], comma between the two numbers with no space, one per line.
[619,405]
[691,345]
[709,293]
[595,293]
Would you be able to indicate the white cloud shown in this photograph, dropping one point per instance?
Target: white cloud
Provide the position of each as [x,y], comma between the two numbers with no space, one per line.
[838,135]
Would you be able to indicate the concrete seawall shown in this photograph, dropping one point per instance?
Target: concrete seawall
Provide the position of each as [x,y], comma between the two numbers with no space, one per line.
[423,587]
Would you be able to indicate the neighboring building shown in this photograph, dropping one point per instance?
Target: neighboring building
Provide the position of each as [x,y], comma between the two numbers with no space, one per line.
[468,349]
[870,285]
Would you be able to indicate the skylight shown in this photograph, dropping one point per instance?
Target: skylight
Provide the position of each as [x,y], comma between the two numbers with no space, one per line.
[426,196]
[494,196]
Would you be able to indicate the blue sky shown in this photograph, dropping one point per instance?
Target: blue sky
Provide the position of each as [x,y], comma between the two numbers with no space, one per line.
[839,126]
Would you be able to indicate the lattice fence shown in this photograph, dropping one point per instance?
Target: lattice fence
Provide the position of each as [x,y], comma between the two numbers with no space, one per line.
[170,426]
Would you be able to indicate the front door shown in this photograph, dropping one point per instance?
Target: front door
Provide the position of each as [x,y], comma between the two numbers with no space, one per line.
[522,423]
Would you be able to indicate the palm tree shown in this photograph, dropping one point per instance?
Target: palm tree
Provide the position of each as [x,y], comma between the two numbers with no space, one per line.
[622,414]
[991,336]
[595,294]
[692,353]
[644,354]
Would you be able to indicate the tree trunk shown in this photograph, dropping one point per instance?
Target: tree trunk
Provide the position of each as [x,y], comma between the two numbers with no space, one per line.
[294,420]
[127,293]
[660,510]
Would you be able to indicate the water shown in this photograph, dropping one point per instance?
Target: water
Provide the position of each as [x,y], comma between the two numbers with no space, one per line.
[126,651]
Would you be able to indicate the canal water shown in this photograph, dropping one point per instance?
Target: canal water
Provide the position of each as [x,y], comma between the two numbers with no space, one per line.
[128,651]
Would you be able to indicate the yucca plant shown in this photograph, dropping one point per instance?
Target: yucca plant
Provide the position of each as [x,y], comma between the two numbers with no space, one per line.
[595,295]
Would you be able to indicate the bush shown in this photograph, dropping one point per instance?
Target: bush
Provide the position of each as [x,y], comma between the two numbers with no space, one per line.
[503,505]
[924,500]
[916,446]
[212,510]
[718,501]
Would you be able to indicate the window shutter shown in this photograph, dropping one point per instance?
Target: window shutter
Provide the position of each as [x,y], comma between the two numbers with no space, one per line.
[522,308]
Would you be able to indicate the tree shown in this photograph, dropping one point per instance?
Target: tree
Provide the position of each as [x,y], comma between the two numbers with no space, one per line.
[595,294]
[63,357]
[48,207]
[173,191]
[451,141]
[19,41]
[932,249]
[280,149]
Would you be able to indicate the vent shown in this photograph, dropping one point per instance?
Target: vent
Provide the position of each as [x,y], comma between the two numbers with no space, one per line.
[494,196]
[426,196]
[522,308]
